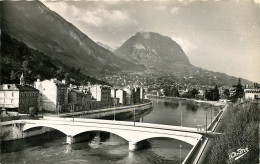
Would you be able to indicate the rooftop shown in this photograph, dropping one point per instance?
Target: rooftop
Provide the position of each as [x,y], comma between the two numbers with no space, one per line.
[16,87]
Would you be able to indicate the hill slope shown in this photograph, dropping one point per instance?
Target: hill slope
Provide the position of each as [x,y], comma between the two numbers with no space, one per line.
[44,30]
[158,53]
[17,57]
[163,56]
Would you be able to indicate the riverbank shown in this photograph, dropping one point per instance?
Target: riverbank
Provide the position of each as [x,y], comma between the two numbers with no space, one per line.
[197,154]
[214,103]
[206,145]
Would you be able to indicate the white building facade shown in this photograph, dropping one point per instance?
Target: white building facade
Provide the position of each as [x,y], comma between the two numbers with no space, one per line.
[53,94]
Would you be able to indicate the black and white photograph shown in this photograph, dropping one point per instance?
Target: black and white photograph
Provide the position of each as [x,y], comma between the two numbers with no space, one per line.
[130,81]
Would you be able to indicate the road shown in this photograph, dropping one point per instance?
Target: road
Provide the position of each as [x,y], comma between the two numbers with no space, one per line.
[205,154]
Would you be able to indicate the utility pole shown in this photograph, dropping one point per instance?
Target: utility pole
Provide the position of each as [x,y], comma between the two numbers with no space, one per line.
[211,115]
[134,115]
[180,154]
[181,116]
[206,126]
[114,113]
[58,109]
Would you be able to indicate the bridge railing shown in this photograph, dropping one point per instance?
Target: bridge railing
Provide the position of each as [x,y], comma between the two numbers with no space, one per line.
[126,123]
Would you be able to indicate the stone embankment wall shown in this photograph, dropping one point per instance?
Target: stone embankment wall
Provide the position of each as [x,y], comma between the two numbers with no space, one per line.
[99,113]
[11,131]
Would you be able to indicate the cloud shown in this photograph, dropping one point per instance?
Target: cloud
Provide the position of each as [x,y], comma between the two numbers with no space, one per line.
[101,17]
[160,7]
[175,10]
[111,18]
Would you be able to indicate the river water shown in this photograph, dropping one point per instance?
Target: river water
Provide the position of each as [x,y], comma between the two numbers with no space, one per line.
[103,147]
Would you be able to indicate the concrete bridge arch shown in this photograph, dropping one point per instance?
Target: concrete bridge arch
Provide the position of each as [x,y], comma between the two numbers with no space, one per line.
[131,134]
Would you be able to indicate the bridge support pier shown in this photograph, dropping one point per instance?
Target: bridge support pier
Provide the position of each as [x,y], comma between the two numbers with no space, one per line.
[132,146]
[70,139]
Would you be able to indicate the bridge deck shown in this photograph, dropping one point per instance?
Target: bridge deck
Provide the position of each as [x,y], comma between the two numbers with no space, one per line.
[77,121]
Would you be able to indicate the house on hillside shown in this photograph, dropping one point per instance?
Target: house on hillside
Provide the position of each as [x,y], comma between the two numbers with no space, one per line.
[252,92]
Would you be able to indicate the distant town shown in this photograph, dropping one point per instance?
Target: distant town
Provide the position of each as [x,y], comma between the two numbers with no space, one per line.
[93,81]
[55,96]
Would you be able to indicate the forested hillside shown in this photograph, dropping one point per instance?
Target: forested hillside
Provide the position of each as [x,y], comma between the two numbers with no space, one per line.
[16,58]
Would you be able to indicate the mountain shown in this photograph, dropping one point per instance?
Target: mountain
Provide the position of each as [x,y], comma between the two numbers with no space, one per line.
[163,56]
[42,29]
[17,57]
[105,46]
[158,53]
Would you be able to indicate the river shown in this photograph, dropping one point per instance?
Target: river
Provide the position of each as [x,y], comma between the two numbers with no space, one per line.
[103,147]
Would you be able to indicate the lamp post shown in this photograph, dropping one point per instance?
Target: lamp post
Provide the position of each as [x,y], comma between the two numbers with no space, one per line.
[114,113]
[134,115]
[206,126]
[181,116]
[73,112]
[180,154]
[211,115]
[41,107]
[58,109]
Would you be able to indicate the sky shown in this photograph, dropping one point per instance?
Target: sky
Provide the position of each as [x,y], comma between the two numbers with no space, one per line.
[217,35]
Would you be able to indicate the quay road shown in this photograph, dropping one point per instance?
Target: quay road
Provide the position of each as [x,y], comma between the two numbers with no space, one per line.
[98,113]
[203,151]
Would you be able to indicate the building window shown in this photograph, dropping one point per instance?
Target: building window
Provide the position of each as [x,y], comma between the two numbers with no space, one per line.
[12,94]
[5,94]
[11,100]
[25,94]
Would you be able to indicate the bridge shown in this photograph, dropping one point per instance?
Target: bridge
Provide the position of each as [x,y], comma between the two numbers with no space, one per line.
[130,131]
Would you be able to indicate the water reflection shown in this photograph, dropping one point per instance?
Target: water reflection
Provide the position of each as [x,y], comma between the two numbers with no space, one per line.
[191,106]
[173,105]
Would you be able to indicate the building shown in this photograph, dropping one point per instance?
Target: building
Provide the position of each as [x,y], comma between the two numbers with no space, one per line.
[141,94]
[136,95]
[252,92]
[78,100]
[53,95]
[128,95]
[102,94]
[18,97]
[113,93]
[114,101]
[121,95]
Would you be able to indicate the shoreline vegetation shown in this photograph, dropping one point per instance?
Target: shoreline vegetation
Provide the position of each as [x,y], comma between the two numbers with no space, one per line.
[240,127]
[214,103]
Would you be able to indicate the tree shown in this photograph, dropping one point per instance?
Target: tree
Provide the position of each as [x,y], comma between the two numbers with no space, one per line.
[194,92]
[12,76]
[212,94]
[215,94]
[226,92]
[239,91]
[240,131]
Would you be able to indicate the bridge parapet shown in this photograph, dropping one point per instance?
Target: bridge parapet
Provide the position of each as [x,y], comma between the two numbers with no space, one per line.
[126,130]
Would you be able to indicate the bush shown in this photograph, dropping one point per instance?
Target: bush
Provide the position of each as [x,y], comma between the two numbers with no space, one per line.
[240,131]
